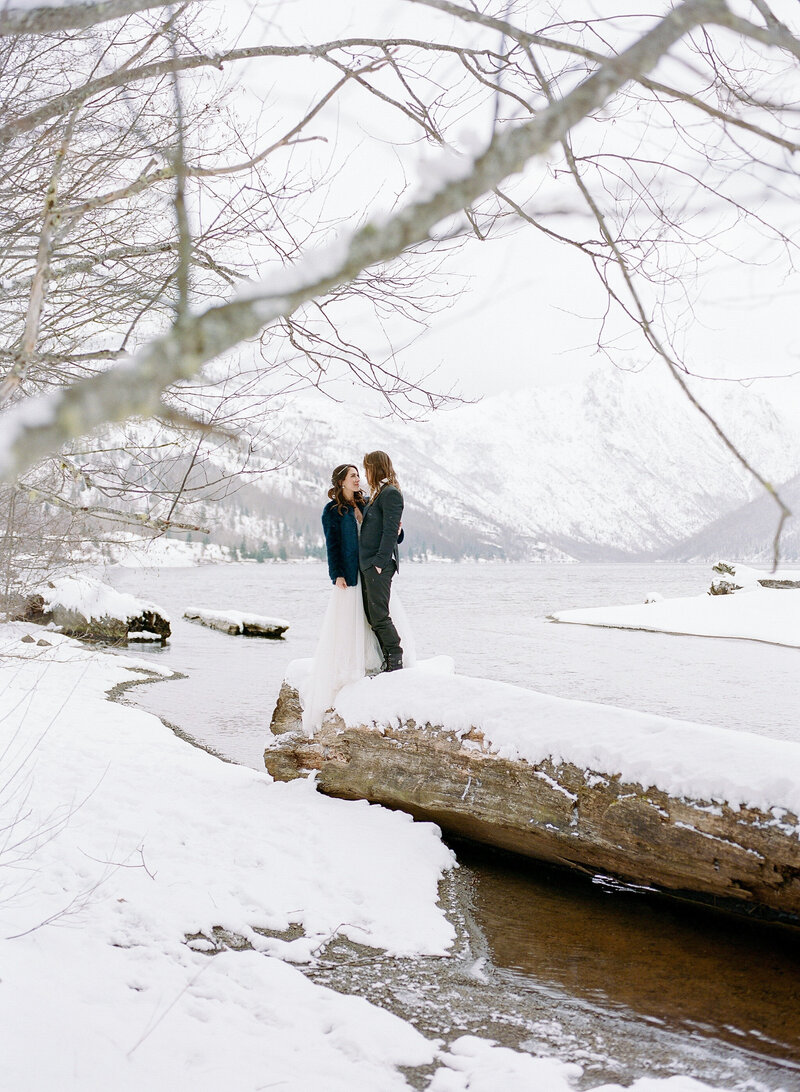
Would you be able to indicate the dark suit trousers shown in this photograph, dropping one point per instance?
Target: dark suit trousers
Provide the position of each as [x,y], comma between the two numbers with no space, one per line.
[376,587]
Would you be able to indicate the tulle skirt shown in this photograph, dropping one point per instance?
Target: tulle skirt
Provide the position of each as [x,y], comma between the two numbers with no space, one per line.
[347,650]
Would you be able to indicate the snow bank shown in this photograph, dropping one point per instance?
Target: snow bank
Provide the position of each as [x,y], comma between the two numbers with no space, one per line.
[128,840]
[745,575]
[682,758]
[754,613]
[129,847]
[163,553]
[93,599]
[478,1065]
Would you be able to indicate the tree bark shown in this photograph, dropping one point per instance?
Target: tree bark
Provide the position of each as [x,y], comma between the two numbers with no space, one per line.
[743,859]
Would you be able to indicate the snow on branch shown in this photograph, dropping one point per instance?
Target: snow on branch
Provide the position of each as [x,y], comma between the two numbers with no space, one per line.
[37,17]
[38,427]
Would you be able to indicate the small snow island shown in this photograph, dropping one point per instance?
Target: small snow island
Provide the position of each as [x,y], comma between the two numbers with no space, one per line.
[683,809]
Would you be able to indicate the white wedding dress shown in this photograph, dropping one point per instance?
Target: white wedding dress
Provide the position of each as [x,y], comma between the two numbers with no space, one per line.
[347,650]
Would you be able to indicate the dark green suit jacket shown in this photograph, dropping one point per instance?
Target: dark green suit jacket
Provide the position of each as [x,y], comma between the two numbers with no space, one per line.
[380,529]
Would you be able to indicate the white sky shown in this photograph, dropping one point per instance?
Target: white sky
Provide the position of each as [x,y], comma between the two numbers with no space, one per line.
[529,309]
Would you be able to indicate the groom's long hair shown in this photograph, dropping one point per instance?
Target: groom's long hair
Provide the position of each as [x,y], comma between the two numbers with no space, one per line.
[378,468]
[336,492]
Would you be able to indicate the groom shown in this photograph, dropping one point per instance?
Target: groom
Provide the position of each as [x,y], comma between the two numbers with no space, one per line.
[378,556]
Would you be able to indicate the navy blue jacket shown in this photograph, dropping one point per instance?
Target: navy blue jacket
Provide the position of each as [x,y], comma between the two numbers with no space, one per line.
[341,542]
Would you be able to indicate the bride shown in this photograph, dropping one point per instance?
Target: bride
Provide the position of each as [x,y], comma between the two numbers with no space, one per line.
[347,649]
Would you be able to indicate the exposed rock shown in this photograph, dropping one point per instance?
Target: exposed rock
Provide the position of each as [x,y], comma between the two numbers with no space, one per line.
[742,859]
[723,569]
[288,713]
[147,626]
[723,587]
[26,608]
[237,624]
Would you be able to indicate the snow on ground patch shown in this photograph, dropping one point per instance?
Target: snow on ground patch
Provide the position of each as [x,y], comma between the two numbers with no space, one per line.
[127,840]
[753,613]
[478,1065]
[682,758]
[163,553]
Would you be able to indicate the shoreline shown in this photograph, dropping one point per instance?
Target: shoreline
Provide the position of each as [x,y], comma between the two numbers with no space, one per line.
[480,998]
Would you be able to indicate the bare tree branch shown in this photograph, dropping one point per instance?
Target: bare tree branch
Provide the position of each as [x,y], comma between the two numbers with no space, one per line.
[139,520]
[43,425]
[125,76]
[50,220]
[642,317]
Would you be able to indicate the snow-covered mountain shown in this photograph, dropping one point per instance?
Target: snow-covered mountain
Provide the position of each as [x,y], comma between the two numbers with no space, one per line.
[622,466]
[748,533]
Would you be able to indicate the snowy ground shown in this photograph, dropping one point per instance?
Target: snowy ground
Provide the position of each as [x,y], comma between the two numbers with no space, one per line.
[124,852]
[753,613]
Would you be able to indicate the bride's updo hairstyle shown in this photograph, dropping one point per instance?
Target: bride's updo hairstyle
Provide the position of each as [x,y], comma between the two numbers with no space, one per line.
[336,491]
[378,468]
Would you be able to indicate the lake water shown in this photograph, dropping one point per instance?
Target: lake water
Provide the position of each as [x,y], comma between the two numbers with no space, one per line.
[705,994]
[490,618]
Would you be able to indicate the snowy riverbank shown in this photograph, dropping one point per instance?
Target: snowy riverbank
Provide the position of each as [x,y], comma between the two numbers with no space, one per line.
[752,613]
[125,854]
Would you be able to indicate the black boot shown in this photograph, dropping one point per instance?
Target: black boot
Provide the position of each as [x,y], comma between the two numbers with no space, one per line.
[394,661]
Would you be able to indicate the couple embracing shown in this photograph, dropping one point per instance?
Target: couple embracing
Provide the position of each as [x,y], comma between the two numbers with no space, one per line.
[360,635]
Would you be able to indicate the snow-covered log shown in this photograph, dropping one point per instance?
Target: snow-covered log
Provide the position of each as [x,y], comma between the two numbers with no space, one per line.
[81,606]
[236,623]
[742,576]
[684,809]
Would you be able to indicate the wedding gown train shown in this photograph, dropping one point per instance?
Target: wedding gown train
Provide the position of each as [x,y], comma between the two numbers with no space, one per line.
[347,650]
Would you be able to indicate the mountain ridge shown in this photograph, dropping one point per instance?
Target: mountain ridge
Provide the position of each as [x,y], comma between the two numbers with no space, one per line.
[619,468]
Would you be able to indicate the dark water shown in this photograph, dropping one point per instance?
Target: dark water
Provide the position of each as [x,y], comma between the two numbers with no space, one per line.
[710,975]
[645,971]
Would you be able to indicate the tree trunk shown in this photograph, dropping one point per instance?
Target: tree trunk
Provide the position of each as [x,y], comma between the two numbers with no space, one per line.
[737,859]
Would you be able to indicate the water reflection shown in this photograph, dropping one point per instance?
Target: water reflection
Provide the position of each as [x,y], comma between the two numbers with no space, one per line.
[719,975]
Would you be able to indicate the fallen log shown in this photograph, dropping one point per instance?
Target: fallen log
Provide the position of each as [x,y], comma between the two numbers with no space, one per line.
[235,623]
[745,575]
[740,858]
